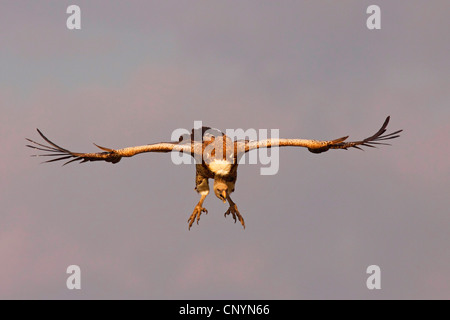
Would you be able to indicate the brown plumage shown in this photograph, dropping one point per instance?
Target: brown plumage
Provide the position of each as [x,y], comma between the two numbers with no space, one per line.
[216,157]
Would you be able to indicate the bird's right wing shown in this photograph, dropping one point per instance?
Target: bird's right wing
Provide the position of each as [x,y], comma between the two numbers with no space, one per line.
[109,155]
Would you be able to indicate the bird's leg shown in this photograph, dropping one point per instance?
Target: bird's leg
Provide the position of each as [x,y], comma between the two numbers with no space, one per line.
[233,210]
[198,211]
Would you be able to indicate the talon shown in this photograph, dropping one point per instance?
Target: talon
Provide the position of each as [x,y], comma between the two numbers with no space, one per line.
[235,212]
[196,215]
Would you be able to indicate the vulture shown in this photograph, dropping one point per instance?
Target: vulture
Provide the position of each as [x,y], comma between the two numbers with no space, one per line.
[216,157]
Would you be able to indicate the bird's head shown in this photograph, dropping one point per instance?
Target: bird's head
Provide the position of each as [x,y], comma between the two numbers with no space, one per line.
[221,190]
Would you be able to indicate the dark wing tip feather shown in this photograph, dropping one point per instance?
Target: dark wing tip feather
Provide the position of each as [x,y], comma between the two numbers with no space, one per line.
[57,159]
[379,136]
[51,143]
[103,148]
[76,159]
[340,140]
[377,139]
[53,150]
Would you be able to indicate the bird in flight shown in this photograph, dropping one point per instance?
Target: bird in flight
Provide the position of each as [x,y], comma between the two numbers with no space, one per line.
[217,157]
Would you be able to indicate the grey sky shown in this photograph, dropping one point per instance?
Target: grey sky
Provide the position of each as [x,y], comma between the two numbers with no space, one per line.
[138,70]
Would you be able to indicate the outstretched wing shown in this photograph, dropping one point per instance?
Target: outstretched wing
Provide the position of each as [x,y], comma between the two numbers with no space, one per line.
[109,155]
[318,146]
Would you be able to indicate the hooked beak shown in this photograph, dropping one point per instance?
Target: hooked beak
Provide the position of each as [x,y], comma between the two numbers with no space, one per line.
[224,195]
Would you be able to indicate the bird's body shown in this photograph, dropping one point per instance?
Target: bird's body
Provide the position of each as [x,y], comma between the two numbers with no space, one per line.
[216,155]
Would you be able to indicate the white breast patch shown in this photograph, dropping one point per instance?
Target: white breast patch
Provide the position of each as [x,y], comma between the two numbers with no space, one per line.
[220,167]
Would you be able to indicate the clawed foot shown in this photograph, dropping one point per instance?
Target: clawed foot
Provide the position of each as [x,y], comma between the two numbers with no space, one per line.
[235,212]
[196,214]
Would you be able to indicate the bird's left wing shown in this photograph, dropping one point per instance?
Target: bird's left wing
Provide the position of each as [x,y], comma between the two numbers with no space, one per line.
[318,146]
[109,155]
